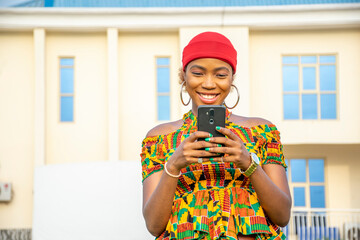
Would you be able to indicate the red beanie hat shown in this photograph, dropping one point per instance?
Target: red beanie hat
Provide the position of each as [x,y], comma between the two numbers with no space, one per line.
[210,45]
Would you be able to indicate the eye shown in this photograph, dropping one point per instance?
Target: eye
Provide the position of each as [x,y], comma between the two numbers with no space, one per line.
[197,73]
[222,75]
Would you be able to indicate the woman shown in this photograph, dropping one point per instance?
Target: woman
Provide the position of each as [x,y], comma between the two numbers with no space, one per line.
[189,195]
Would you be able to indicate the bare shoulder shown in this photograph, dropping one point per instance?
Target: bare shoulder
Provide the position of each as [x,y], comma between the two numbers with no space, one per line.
[165,128]
[249,121]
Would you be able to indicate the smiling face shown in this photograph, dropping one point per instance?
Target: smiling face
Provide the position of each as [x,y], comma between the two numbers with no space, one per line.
[208,81]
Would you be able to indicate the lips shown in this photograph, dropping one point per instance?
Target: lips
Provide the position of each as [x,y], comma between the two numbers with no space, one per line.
[208,98]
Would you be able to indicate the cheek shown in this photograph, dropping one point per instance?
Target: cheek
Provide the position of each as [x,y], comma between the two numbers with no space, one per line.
[226,86]
[191,83]
[190,88]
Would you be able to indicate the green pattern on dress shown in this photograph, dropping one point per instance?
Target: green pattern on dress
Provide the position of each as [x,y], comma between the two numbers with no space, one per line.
[215,200]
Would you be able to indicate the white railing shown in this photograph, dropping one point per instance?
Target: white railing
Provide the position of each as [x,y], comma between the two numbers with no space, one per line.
[324,224]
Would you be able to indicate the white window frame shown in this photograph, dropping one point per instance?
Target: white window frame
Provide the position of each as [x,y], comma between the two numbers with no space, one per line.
[307,184]
[66,94]
[162,94]
[317,91]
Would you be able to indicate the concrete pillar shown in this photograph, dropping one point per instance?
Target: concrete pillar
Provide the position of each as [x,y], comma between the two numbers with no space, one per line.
[40,126]
[113,94]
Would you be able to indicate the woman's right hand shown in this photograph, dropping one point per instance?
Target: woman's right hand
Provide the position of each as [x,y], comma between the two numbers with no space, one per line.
[159,188]
[189,151]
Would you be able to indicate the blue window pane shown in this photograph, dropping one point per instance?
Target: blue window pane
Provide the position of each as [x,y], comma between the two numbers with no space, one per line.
[299,196]
[290,78]
[309,106]
[328,106]
[291,106]
[308,59]
[316,170]
[298,170]
[290,60]
[317,196]
[67,62]
[67,80]
[162,61]
[327,77]
[163,80]
[309,78]
[327,59]
[67,109]
[163,107]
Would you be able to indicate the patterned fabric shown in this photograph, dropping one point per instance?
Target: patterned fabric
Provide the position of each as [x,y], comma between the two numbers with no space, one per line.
[215,200]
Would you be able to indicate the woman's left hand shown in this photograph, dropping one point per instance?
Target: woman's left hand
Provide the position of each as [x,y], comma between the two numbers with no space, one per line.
[233,147]
[269,182]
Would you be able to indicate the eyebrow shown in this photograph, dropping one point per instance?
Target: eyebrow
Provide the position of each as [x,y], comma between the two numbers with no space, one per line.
[221,68]
[216,69]
[198,66]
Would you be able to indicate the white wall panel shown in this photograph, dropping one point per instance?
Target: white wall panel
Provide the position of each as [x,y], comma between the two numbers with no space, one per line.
[92,201]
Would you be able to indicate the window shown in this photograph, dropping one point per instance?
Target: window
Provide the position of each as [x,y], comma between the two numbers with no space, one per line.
[307,182]
[163,88]
[309,87]
[66,89]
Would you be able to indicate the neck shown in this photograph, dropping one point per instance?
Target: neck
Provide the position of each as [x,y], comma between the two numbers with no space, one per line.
[194,109]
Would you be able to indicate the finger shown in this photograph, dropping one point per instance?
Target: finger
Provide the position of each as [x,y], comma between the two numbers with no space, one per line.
[225,158]
[198,134]
[228,133]
[204,144]
[217,159]
[199,159]
[224,141]
[200,153]
[224,150]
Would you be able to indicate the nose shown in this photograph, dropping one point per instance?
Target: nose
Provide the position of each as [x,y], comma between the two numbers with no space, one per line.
[208,82]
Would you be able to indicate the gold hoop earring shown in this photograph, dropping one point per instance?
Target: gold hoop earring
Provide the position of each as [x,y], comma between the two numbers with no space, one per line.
[238,98]
[181,97]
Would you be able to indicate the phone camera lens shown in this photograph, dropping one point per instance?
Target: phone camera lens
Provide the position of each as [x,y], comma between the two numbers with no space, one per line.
[212,112]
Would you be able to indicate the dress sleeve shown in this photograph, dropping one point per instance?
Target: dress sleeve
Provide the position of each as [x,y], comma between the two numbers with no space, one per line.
[152,156]
[272,149]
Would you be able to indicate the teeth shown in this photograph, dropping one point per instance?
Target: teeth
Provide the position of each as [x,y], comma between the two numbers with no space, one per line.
[208,96]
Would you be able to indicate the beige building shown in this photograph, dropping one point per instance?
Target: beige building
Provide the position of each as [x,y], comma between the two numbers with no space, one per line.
[83,85]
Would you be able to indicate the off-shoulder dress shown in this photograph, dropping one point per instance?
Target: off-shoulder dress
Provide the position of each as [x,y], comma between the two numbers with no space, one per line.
[215,200]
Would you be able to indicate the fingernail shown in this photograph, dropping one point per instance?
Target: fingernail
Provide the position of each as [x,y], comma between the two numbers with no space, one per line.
[219,145]
[218,128]
[207,149]
[207,139]
[211,159]
[210,135]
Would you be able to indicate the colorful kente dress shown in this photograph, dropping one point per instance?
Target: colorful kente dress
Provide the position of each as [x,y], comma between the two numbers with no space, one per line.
[215,200]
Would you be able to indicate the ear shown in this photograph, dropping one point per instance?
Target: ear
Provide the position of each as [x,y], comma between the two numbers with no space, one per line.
[183,76]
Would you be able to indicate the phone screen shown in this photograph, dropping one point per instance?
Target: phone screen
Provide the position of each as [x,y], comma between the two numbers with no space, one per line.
[210,116]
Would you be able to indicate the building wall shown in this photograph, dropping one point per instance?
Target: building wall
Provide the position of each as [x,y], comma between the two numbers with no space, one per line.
[342,164]
[85,139]
[266,49]
[17,126]
[137,83]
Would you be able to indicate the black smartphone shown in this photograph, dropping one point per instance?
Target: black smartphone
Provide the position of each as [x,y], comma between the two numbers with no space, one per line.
[210,116]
